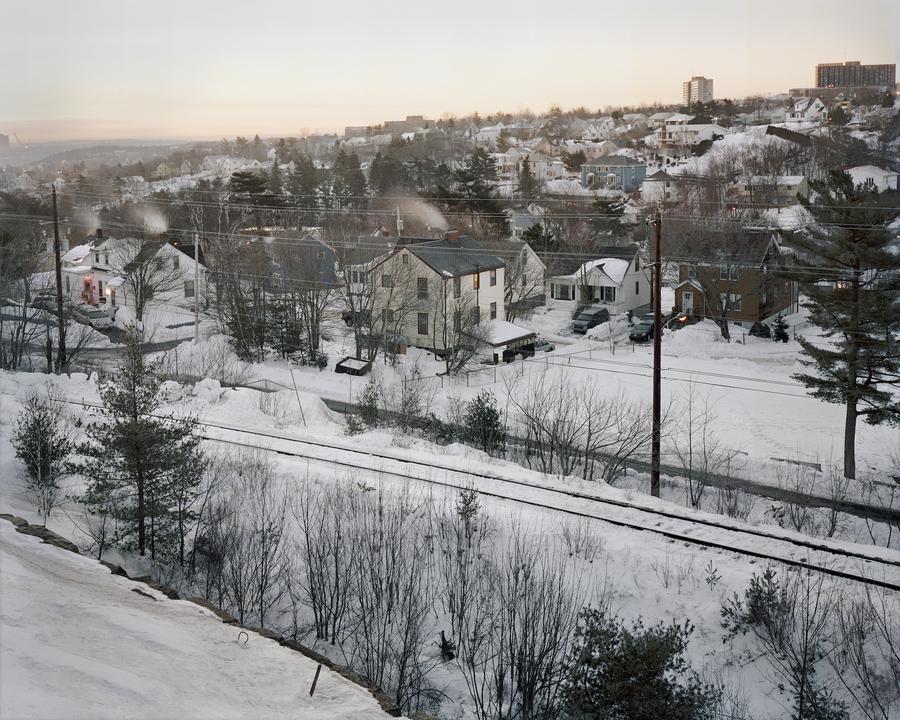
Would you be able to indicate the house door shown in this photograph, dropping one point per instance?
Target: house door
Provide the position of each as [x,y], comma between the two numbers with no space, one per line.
[112,296]
[687,303]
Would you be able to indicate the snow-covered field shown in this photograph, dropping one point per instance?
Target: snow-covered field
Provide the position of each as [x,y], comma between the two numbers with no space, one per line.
[638,574]
[79,642]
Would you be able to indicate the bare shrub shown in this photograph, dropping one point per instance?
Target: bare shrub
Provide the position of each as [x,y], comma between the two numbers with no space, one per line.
[581,541]
[733,502]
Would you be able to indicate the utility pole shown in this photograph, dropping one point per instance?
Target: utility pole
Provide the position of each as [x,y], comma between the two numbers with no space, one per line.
[61,350]
[196,287]
[657,353]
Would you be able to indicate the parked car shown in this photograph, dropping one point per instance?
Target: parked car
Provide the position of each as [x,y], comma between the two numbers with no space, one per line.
[643,330]
[678,321]
[361,317]
[761,330]
[95,317]
[543,345]
[590,318]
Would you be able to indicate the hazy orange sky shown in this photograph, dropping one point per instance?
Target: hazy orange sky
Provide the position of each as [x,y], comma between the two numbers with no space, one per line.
[103,69]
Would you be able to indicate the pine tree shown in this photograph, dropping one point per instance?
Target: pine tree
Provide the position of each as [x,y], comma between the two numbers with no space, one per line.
[483,427]
[529,187]
[141,469]
[275,182]
[853,295]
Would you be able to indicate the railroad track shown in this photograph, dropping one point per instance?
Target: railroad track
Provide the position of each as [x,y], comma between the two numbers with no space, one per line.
[860,564]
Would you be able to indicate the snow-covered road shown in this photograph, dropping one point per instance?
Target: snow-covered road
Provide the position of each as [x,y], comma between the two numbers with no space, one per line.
[77,642]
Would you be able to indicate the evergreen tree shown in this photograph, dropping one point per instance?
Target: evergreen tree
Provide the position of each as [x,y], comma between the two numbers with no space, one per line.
[483,426]
[275,182]
[141,470]
[528,187]
[249,182]
[780,331]
[389,175]
[574,161]
[348,182]
[636,673]
[853,295]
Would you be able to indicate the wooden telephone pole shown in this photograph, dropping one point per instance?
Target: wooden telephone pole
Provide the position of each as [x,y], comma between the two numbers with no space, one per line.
[657,353]
[61,349]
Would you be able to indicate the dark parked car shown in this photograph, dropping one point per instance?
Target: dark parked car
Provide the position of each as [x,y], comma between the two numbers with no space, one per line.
[590,318]
[362,317]
[643,331]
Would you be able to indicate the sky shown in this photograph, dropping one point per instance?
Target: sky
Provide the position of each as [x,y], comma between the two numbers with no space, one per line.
[204,69]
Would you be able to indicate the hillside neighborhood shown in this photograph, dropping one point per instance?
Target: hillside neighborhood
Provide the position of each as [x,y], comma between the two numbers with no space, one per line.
[583,413]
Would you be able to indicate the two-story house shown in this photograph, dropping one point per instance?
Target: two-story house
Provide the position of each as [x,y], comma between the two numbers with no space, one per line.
[425,292]
[104,272]
[808,110]
[744,280]
[613,172]
[616,280]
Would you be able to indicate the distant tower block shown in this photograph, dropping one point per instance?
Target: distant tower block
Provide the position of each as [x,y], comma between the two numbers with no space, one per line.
[698,89]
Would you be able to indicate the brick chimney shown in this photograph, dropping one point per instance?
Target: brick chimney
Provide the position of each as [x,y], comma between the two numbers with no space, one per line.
[99,233]
[451,236]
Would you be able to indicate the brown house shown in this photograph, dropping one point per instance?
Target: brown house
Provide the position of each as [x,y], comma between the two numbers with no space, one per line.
[744,280]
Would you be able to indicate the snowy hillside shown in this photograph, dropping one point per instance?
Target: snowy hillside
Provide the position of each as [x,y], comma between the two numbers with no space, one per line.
[78,642]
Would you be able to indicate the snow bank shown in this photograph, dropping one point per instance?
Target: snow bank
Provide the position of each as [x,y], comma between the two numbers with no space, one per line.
[78,642]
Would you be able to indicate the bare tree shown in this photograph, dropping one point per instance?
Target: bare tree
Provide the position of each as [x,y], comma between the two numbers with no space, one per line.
[42,440]
[699,451]
[149,273]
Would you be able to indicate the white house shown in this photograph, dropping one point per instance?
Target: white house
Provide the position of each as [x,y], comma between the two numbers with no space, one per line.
[97,273]
[419,288]
[808,110]
[677,135]
[660,187]
[875,177]
[616,280]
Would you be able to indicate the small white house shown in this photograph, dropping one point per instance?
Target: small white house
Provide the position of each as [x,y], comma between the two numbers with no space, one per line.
[874,177]
[808,110]
[616,280]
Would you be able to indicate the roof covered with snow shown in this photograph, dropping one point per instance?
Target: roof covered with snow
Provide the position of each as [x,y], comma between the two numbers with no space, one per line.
[501,332]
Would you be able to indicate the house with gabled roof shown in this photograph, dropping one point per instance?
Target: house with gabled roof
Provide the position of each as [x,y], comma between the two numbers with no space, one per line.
[419,286]
[96,272]
[613,172]
[615,278]
[744,279]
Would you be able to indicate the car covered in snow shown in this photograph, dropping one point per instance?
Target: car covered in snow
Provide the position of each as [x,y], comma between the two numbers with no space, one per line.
[93,316]
[589,318]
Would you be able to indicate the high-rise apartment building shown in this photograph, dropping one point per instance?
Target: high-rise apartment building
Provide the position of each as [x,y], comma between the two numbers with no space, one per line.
[697,90]
[855,74]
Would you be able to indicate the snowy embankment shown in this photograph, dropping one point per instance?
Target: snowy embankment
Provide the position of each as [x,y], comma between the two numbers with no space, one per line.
[79,642]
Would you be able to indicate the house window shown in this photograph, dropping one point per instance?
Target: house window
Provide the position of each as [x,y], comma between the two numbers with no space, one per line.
[733,300]
[422,288]
[387,316]
[387,281]
[100,291]
[189,288]
[175,263]
[405,259]
[476,314]
[494,278]
[493,311]
[476,281]
[68,288]
[106,259]
[457,287]
[637,287]
[607,294]
[97,258]
[637,263]
[423,323]
[728,272]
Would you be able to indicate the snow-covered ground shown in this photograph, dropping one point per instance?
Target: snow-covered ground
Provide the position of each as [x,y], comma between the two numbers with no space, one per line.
[762,412]
[79,642]
[638,573]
